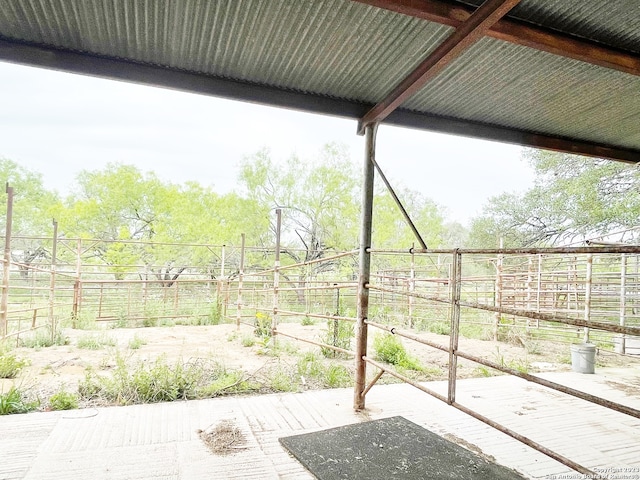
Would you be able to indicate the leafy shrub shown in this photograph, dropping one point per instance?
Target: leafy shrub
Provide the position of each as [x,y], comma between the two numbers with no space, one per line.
[162,382]
[63,401]
[10,365]
[14,401]
[337,376]
[262,325]
[441,328]
[389,349]
[307,320]
[136,342]
[42,339]
[339,334]
[95,342]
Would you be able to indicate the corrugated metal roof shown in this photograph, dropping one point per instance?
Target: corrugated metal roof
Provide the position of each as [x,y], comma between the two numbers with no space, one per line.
[354,53]
[531,90]
[611,22]
[283,43]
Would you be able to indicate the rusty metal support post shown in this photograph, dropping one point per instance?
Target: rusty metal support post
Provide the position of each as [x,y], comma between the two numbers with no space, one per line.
[336,326]
[276,276]
[498,296]
[240,278]
[412,285]
[587,296]
[366,217]
[6,270]
[52,287]
[539,288]
[220,311]
[77,286]
[621,347]
[456,280]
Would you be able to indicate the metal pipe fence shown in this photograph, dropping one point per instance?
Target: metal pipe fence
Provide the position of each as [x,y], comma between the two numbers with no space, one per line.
[589,285]
[563,295]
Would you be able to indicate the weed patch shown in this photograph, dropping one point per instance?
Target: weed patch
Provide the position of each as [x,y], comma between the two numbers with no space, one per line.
[281,380]
[311,369]
[389,349]
[262,325]
[136,342]
[43,338]
[162,382]
[307,321]
[10,365]
[63,401]
[339,334]
[440,328]
[15,401]
[95,342]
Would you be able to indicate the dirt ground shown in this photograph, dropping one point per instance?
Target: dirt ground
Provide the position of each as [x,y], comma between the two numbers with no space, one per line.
[56,367]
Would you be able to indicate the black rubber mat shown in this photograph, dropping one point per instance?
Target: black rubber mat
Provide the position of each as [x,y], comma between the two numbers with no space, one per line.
[389,448]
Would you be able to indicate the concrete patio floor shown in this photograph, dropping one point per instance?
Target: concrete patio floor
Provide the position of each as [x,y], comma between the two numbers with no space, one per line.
[161,441]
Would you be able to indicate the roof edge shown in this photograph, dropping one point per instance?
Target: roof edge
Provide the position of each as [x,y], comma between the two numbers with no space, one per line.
[158,76]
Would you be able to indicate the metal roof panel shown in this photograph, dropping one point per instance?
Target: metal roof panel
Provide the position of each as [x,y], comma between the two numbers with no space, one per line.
[341,51]
[535,91]
[611,22]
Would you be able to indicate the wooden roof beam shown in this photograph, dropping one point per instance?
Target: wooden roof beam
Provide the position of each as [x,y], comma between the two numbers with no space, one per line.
[468,32]
[519,33]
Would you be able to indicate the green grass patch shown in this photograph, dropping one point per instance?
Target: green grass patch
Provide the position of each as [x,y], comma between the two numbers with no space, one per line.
[15,401]
[10,365]
[479,332]
[136,342]
[441,328]
[282,380]
[162,382]
[389,349]
[312,369]
[337,376]
[43,338]
[63,400]
[338,334]
[307,321]
[95,342]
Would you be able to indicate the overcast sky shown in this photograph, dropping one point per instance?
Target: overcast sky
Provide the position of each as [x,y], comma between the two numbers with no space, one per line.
[58,124]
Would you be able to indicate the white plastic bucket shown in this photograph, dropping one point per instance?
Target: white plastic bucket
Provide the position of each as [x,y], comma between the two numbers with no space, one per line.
[583,358]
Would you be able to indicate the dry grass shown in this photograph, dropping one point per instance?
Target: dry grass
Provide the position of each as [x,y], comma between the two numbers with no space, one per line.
[224,438]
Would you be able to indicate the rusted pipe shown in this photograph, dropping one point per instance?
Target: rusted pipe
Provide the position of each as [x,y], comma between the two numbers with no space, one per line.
[553,385]
[373,382]
[319,344]
[366,217]
[401,333]
[393,373]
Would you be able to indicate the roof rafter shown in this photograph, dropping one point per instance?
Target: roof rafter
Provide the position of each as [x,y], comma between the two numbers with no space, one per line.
[469,32]
[517,32]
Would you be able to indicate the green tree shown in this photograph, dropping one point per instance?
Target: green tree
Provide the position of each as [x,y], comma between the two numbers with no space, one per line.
[34,208]
[117,204]
[142,220]
[33,205]
[390,230]
[198,215]
[318,200]
[573,198]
